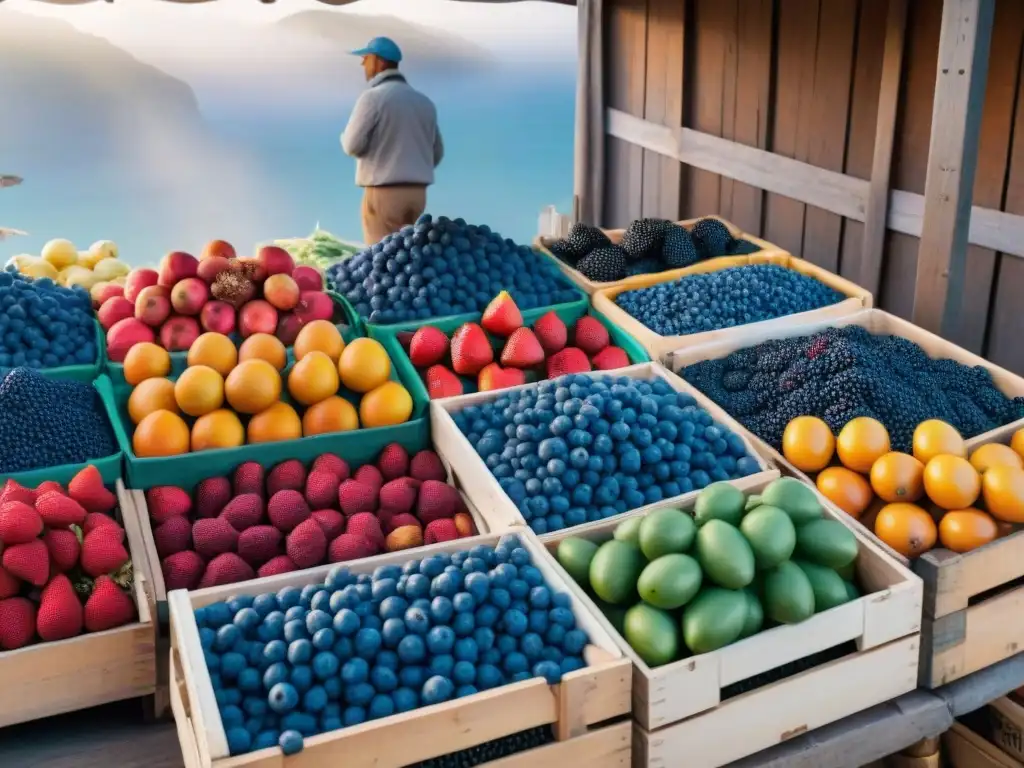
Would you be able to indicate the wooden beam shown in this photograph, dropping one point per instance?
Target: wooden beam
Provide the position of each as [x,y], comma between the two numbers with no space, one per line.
[952,160]
[876,215]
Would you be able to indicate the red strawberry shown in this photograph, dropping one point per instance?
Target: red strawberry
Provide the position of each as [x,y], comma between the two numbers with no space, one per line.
[610,358]
[287,509]
[471,350]
[213,536]
[368,526]
[493,376]
[212,495]
[369,475]
[246,510]
[227,568]
[442,383]
[400,521]
[48,485]
[29,562]
[306,545]
[393,461]
[522,350]
[59,511]
[321,489]
[404,338]
[182,570]
[328,462]
[349,546]
[590,335]
[502,316]
[427,465]
[60,612]
[288,475]
[277,565]
[17,623]
[19,523]
[15,491]
[440,530]
[64,550]
[569,360]
[331,521]
[167,501]
[428,346]
[249,479]
[173,536]
[102,552]
[355,497]
[95,520]
[108,606]
[9,585]
[398,496]
[437,500]
[551,332]
[87,489]
[259,544]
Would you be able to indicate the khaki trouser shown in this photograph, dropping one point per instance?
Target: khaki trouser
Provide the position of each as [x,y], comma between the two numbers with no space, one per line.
[388,209]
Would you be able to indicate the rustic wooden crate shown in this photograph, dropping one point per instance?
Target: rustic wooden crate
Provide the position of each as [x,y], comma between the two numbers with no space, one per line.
[679,708]
[575,708]
[963,748]
[1007,719]
[96,668]
[483,489]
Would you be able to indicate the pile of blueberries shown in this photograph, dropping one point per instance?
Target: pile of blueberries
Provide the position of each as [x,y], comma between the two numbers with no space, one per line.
[44,325]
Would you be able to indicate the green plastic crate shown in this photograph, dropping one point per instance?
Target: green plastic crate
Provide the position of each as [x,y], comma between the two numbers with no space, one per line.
[569,314]
[86,373]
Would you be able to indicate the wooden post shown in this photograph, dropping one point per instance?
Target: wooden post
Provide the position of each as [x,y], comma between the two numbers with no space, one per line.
[952,159]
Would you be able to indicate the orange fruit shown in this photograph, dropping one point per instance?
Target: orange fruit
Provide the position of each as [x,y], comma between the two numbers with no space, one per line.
[1003,489]
[335,414]
[199,390]
[151,395]
[951,482]
[146,361]
[217,429]
[263,346]
[161,433]
[385,406]
[320,336]
[808,444]
[994,454]
[364,365]
[214,350]
[1017,442]
[906,528]
[965,529]
[861,442]
[278,422]
[253,386]
[846,489]
[898,477]
[313,378]
[934,437]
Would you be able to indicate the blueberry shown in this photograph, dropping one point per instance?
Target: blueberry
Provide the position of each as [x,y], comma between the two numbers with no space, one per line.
[290,742]
[283,698]
[436,690]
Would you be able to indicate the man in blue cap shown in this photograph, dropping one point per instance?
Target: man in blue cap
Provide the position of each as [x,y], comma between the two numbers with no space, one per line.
[394,137]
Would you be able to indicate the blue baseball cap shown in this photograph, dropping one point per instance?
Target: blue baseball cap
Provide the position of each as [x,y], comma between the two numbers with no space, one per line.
[384,47]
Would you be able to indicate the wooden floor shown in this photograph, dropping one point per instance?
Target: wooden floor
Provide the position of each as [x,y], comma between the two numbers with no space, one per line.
[114,736]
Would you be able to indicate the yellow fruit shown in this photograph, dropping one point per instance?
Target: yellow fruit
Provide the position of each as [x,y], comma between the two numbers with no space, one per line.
[253,386]
[965,529]
[76,275]
[364,365]
[335,414]
[104,249]
[39,269]
[110,269]
[60,253]
[161,433]
[278,422]
[846,489]
[993,455]
[199,390]
[149,396]
[217,429]
[263,346]
[1003,489]
[146,361]
[907,528]
[951,482]
[322,336]
[933,438]
[808,444]
[313,378]
[1017,442]
[861,443]
[898,477]
[214,350]
[385,406]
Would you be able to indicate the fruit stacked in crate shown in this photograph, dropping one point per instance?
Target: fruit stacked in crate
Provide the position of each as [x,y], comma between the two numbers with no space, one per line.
[97,270]
[262,522]
[64,568]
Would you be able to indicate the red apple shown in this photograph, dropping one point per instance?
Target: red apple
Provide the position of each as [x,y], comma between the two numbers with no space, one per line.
[189,295]
[176,266]
[275,260]
[125,334]
[218,316]
[281,291]
[137,280]
[218,249]
[257,317]
[211,266]
[153,305]
[308,278]
[178,333]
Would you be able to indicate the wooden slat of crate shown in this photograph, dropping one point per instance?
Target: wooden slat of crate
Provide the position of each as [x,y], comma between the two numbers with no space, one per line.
[963,748]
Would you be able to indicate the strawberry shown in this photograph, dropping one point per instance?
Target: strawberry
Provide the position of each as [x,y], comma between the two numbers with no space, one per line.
[64,549]
[288,475]
[331,521]
[350,546]
[17,623]
[212,495]
[471,350]
[307,544]
[108,606]
[87,489]
[400,521]
[437,500]
[29,562]
[441,382]
[95,520]
[227,568]
[102,552]
[328,462]
[502,316]
[277,565]
[610,358]
[393,461]
[355,497]
[569,360]
[398,496]
[440,530]
[551,332]
[60,612]
[428,346]
[368,526]
[48,485]
[371,476]
[522,350]
[590,335]
[213,536]
[493,376]
[15,491]
[9,585]
[249,479]
[321,489]
[405,338]
[19,523]
[167,501]
[246,510]
[258,544]
[173,536]
[59,511]
[287,509]
[427,465]
[182,570]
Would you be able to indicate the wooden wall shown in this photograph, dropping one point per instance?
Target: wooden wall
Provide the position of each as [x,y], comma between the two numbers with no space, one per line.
[801,79]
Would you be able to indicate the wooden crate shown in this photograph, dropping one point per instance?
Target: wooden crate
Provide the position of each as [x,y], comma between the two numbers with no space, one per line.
[483,489]
[541,244]
[963,748]
[576,708]
[1007,719]
[679,708]
[88,670]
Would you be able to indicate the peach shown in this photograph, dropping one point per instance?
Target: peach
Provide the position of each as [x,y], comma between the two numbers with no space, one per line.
[281,291]
[153,305]
[114,309]
[217,249]
[125,334]
[176,266]
[218,316]
[275,260]
[189,295]
[464,525]
[211,266]
[257,317]
[314,305]
[288,327]
[137,280]
[308,278]
[178,333]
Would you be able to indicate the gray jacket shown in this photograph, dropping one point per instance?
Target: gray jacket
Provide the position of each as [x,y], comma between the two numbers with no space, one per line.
[393,134]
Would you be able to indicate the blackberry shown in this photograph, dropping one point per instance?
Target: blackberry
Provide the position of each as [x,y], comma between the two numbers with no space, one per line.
[603,265]
[644,237]
[563,251]
[646,266]
[741,247]
[492,750]
[713,238]
[678,249]
[583,238]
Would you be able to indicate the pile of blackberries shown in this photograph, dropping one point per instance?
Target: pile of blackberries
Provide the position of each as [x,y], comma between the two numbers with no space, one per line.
[44,325]
[492,750]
